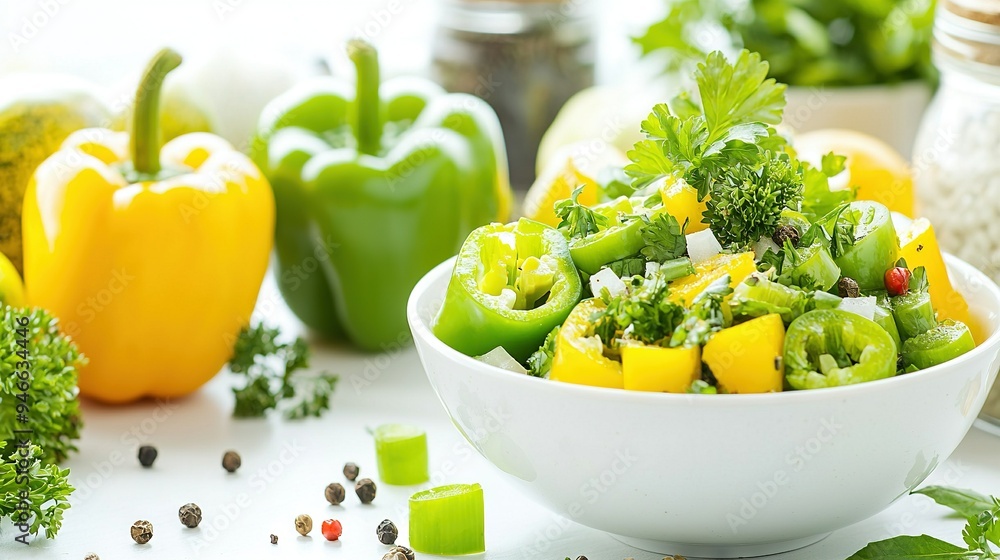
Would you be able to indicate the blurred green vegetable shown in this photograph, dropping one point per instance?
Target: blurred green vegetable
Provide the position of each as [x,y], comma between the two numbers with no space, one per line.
[807,42]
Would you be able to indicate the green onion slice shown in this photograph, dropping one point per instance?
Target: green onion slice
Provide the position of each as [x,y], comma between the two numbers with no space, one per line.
[402,454]
[448,520]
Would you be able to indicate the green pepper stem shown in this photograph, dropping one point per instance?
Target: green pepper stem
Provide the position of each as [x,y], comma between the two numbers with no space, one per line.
[367,115]
[145,141]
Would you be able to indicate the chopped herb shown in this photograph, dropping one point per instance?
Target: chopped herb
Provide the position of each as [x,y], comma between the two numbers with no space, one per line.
[705,317]
[540,363]
[301,394]
[664,238]
[577,220]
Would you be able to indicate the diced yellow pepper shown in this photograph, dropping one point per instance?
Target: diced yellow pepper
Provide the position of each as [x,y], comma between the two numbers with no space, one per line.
[747,358]
[737,265]
[681,201]
[573,166]
[919,246]
[580,359]
[658,369]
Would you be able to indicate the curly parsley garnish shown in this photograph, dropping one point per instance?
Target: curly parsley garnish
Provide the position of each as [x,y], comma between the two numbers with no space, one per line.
[273,376]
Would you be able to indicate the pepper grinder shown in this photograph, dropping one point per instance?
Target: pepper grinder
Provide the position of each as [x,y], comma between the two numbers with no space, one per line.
[524,57]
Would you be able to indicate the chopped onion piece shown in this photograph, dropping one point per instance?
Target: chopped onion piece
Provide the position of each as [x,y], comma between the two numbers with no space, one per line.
[863,306]
[652,268]
[703,245]
[901,222]
[762,245]
[606,278]
[499,357]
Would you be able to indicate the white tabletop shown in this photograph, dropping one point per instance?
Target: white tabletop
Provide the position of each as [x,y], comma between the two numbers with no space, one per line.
[286,466]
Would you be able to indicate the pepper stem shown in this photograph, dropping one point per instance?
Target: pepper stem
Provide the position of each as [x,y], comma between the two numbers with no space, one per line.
[145,141]
[367,105]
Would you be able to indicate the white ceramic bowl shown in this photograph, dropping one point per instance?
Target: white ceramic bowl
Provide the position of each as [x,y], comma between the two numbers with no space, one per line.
[713,475]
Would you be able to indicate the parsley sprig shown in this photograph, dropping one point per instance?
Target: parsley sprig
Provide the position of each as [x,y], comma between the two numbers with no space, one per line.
[49,406]
[50,489]
[274,376]
[981,533]
[577,220]
[726,148]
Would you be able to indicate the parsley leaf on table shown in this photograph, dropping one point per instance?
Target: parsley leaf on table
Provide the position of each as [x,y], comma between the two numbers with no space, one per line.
[50,489]
[299,394]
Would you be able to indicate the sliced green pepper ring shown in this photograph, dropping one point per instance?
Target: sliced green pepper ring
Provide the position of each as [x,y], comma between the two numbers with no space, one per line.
[619,241]
[512,284]
[831,347]
[944,342]
[875,248]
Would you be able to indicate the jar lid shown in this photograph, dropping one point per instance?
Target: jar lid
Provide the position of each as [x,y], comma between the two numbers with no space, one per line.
[968,30]
[513,17]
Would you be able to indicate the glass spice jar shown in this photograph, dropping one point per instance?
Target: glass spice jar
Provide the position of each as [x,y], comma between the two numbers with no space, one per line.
[524,57]
[956,158]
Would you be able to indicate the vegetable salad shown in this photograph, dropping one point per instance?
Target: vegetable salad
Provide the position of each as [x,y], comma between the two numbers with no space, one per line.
[715,262]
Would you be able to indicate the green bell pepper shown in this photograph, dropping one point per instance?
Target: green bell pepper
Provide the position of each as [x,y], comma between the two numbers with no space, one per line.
[373,189]
[830,347]
[512,284]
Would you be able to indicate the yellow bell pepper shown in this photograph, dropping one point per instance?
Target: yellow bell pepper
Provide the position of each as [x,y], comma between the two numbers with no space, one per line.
[737,265]
[153,270]
[580,358]
[746,358]
[575,165]
[919,246]
[681,201]
[11,287]
[658,369]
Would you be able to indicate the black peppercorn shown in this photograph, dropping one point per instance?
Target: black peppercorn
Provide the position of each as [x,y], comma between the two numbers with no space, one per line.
[387,532]
[365,489]
[91,556]
[190,515]
[399,551]
[335,493]
[786,232]
[351,471]
[142,531]
[231,461]
[147,454]
[581,558]
[848,287]
[274,539]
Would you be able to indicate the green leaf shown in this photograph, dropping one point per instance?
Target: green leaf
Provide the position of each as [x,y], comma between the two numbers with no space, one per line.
[664,238]
[53,411]
[275,376]
[737,93]
[577,220]
[912,548]
[628,267]
[967,503]
[540,363]
[50,489]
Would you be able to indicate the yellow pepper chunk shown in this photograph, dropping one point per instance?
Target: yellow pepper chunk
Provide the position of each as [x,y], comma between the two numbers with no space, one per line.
[746,358]
[573,166]
[658,369]
[580,359]
[681,201]
[738,266]
[919,246]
